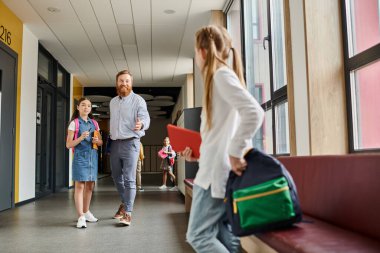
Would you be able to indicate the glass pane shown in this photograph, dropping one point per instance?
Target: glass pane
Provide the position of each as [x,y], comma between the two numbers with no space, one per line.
[365,90]
[233,24]
[282,129]
[60,78]
[278,44]
[43,66]
[256,57]
[258,139]
[363,24]
[267,132]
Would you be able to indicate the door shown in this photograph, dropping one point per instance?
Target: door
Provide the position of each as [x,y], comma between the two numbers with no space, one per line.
[8,73]
[44,139]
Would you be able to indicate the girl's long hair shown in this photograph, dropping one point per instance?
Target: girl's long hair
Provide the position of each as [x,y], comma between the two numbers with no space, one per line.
[217,43]
[76,112]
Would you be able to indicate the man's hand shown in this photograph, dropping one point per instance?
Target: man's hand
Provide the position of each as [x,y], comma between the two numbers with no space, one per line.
[238,165]
[138,125]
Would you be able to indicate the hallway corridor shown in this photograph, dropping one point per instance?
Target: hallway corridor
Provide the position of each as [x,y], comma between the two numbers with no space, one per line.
[159,224]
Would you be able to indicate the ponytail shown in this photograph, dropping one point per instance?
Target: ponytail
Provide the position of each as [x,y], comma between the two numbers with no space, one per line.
[217,43]
[237,66]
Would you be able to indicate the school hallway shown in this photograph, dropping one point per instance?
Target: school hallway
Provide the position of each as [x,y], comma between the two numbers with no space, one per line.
[159,224]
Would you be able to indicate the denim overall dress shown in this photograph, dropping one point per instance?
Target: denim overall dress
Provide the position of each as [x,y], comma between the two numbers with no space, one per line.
[85,162]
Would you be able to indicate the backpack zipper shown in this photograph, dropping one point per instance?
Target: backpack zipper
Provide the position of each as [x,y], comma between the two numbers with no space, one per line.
[258,195]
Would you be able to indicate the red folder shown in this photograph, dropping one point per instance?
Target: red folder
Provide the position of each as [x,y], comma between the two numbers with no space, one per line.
[180,138]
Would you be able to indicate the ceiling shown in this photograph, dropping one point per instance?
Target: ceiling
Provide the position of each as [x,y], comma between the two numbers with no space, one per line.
[94,39]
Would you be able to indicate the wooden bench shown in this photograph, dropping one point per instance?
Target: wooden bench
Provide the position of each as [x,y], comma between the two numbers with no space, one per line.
[188,193]
[340,197]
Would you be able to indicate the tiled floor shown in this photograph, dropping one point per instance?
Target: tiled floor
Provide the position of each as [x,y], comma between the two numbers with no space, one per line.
[48,225]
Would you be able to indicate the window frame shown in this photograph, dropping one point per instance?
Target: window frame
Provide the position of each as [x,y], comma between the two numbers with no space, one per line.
[276,97]
[355,62]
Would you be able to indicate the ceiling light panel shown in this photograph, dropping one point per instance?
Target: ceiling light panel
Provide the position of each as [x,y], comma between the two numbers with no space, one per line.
[123,11]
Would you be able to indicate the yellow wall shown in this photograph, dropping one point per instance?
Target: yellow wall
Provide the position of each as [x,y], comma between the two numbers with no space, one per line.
[15,26]
[77,91]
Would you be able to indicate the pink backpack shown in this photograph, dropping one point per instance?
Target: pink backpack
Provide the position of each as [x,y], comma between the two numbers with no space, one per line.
[76,121]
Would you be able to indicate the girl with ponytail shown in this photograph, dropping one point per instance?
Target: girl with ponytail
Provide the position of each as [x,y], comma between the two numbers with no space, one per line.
[230,118]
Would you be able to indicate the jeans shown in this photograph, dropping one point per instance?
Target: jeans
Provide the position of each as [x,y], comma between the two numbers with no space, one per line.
[208,230]
[124,156]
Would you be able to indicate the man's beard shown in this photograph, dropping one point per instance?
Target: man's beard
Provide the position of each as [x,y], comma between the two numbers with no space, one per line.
[123,91]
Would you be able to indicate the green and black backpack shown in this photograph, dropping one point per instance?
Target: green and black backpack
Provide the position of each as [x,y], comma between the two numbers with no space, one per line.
[263,199]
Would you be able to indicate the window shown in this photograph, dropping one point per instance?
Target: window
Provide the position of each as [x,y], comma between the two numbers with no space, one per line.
[362,66]
[265,67]
[45,66]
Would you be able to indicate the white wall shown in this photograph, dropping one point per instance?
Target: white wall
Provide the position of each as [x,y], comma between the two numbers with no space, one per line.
[28,107]
[299,77]
[71,182]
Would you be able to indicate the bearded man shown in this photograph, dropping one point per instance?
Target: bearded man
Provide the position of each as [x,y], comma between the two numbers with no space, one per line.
[129,118]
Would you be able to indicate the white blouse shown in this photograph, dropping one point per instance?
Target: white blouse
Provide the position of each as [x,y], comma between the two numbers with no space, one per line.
[236,117]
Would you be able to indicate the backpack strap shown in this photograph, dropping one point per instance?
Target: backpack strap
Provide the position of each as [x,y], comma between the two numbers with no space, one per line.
[76,121]
[76,131]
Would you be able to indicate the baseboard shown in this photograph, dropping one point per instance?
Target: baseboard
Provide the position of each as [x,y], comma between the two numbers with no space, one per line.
[25,202]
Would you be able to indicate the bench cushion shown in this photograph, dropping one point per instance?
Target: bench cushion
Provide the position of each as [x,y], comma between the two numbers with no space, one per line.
[317,236]
[342,190]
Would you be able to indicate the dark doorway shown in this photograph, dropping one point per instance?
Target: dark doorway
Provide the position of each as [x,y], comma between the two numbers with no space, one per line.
[44,138]
[8,77]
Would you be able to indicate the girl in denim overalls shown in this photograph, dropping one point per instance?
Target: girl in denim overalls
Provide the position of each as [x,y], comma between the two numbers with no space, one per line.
[85,162]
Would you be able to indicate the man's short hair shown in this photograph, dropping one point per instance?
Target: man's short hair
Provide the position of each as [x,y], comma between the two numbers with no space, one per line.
[125,71]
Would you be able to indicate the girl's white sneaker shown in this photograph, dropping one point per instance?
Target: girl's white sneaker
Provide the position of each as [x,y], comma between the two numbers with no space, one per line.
[81,222]
[90,217]
[162,187]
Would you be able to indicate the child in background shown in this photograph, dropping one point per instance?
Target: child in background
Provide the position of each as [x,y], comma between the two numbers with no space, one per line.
[85,162]
[140,163]
[230,118]
[166,165]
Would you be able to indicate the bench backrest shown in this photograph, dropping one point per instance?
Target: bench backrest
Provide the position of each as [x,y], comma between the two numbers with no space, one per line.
[343,190]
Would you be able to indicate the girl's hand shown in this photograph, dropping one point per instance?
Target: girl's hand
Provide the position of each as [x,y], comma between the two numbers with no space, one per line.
[85,134]
[238,165]
[187,153]
[95,140]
